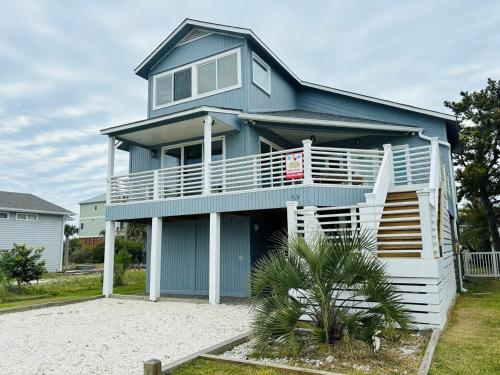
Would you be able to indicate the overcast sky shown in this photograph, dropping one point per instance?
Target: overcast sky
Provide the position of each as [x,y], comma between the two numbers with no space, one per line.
[66,70]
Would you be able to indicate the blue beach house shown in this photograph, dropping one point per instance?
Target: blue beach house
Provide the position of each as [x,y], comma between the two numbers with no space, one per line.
[235,147]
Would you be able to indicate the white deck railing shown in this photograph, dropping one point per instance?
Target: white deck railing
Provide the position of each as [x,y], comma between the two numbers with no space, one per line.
[323,165]
[412,165]
[481,264]
[333,221]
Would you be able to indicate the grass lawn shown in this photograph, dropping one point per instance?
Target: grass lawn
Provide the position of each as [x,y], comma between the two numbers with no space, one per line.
[64,287]
[470,343]
[207,366]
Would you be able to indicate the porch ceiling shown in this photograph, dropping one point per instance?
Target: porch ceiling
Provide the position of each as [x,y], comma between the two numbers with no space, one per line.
[173,132]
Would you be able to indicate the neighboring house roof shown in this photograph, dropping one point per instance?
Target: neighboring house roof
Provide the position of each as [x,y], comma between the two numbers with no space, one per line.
[11,201]
[97,199]
[188,24]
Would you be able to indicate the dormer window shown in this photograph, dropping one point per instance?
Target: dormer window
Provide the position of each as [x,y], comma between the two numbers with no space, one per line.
[202,78]
[261,74]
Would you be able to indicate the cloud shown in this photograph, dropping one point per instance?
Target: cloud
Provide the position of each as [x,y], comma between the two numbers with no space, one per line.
[67,69]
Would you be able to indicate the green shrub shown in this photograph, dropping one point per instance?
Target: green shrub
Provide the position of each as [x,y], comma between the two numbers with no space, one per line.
[23,264]
[123,260]
[135,249]
[80,256]
[74,245]
[317,271]
[5,281]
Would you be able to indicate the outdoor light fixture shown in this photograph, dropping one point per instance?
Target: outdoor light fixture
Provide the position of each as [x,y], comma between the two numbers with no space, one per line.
[313,138]
[154,153]
[357,141]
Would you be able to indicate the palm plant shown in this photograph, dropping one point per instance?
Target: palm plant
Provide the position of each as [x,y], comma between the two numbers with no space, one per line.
[335,281]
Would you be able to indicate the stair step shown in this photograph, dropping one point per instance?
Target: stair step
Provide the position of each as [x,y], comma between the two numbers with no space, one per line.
[399,255]
[400,213]
[399,222]
[401,196]
[399,246]
[403,218]
[403,235]
[400,229]
[410,206]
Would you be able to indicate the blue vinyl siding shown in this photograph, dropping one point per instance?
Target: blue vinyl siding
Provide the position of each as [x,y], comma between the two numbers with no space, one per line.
[185,257]
[257,200]
[309,99]
[194,51]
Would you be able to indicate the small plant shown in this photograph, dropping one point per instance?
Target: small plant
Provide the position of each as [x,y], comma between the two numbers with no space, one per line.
[123,260]
[5,281]
[325,281]
[23,264]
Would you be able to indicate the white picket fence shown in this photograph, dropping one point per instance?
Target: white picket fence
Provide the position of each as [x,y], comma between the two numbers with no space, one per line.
[481,264]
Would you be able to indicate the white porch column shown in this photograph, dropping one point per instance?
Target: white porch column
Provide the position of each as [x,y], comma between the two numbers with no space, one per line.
[155,264]
[214,259]
[291,218]
[109,258]
[207,152]
[111,167]
[307,143]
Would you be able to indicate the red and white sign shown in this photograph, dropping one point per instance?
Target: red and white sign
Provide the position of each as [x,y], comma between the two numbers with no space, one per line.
[294,166]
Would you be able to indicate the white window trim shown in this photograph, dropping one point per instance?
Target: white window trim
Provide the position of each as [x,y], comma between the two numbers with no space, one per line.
[267,67]
[190,143]
[26,213]
[269,143]
[194,79]
[5,218]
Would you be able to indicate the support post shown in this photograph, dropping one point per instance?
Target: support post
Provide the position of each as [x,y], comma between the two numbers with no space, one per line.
[111,168]
[307,144]
[207,152]
[155,264]
[109,258]
[152,367]
[425,224]
[214,259]
[291,218]
[312,229]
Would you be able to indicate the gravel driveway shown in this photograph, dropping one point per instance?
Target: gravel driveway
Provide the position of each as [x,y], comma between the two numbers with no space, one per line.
[112,336]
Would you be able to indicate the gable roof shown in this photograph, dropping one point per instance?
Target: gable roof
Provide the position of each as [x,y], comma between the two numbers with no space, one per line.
[188,24]
[11,201]
[97,199]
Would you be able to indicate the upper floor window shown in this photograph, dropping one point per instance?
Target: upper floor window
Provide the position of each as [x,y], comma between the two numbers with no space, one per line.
[27,217]
[202,78]
[261,73]
[81,226]
[4,215]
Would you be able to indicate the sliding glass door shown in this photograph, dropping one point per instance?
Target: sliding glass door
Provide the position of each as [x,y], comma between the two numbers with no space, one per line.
[188,178]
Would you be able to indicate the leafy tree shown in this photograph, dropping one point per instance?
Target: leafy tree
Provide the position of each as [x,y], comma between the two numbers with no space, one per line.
[474,233]
[69,230]
[478,164]
[320,274]
[5,280]
[23,264]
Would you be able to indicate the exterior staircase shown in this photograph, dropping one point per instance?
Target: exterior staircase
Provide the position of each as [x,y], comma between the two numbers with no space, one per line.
[399,234]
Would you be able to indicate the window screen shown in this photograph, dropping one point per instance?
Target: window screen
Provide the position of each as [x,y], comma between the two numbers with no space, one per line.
[164,90]
[227,71]
[182,84]
[206,78]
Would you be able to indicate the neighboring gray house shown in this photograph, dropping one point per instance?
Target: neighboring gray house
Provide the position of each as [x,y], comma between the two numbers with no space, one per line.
[235,146]
[28,219]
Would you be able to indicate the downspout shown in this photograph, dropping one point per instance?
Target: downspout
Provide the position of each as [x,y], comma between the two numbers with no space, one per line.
[454,196]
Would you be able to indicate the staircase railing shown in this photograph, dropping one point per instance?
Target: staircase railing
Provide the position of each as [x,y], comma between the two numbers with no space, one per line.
[374,206]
